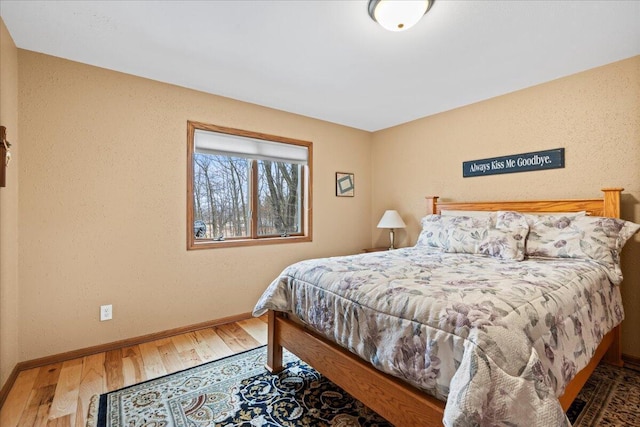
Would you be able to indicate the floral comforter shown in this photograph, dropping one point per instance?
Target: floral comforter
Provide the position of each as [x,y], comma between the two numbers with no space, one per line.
[498,340]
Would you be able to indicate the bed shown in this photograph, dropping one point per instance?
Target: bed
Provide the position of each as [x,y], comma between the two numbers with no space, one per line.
[475,360]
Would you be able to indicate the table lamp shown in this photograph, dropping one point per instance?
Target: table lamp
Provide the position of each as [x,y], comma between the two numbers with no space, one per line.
[391,219]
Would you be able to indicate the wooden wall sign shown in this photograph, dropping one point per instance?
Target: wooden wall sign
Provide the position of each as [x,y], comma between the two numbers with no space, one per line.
[537,160]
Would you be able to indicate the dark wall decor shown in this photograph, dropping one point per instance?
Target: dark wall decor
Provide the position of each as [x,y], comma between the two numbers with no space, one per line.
[537,160]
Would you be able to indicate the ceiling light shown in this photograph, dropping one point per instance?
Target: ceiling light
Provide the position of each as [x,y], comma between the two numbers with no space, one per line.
[398,15]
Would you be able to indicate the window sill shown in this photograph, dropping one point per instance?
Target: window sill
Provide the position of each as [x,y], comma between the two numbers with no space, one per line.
[212,244]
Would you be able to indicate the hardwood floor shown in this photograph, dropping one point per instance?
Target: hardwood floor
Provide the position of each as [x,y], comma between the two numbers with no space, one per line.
[59,394]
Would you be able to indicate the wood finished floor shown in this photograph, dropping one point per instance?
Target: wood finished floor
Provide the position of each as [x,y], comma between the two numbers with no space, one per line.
[59,394]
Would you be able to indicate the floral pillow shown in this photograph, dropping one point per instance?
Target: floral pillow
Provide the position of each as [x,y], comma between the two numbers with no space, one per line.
[466,238]
[433,233]
[586,237]
[505,240]
[552,235]
[435,228]
[602,240]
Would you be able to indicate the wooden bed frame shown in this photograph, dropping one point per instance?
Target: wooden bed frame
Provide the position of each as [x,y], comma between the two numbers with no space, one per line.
[395,400]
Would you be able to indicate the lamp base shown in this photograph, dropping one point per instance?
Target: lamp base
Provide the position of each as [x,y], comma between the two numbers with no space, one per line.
[392,236]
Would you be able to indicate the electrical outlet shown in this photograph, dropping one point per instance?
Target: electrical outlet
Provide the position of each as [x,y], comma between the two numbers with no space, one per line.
[106,312]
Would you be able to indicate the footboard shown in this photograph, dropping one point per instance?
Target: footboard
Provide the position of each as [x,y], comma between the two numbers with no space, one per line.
[396,401]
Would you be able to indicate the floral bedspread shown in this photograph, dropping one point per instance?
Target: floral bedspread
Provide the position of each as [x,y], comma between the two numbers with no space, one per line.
[499,340]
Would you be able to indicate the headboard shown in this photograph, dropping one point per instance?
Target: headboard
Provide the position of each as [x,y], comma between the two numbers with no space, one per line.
[608,206]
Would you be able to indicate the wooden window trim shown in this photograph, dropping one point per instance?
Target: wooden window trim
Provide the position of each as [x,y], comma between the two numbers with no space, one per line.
[306,220]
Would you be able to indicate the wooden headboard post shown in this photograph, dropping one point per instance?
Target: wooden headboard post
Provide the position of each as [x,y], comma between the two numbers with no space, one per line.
[612,201]
[432,203]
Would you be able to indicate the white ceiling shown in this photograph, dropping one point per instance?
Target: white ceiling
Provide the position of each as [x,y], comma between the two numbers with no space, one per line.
[328,59]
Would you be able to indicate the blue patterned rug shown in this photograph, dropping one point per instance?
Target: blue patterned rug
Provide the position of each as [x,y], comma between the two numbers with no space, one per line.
[232,392]
[238,392]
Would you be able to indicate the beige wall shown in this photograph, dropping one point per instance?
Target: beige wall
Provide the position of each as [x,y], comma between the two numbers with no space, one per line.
[594,115]
[9,208]
[103,210]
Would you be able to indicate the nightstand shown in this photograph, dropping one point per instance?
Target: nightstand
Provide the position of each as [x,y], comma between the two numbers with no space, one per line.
[367,250]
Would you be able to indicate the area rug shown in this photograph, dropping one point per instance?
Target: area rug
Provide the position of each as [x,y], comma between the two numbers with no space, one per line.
[232,392]
[611,397]
[238,392]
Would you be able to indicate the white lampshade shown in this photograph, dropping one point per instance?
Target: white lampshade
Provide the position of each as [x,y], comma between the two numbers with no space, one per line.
[398,15]
[391,219]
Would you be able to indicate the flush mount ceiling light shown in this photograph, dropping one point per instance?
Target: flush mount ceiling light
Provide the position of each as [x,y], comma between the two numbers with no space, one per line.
[398,15]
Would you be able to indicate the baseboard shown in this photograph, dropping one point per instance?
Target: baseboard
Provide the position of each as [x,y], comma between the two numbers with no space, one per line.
[102,348]
[11,379]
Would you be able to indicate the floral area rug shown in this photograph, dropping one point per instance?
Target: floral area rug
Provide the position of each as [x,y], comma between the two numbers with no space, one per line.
[237,391]
[232,392]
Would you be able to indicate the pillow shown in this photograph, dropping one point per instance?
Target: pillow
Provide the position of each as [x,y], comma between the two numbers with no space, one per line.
[433,233]
[505,240]
[552,235]
[435,228]
[585,237]
[465,239]
[603,239]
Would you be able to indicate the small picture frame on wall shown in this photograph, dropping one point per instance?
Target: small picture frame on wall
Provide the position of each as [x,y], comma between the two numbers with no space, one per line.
[345,184]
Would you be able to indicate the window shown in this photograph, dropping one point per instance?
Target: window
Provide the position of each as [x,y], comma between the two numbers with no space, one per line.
[246,188]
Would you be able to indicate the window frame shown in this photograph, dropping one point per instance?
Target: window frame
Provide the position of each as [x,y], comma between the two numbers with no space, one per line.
[253,240]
